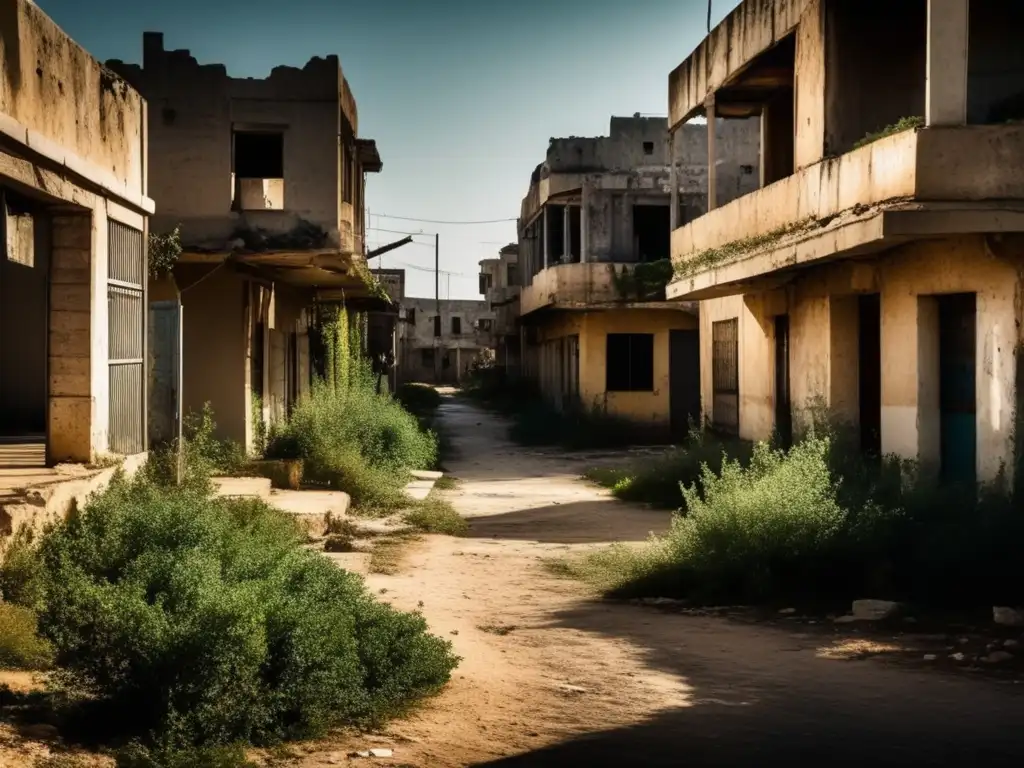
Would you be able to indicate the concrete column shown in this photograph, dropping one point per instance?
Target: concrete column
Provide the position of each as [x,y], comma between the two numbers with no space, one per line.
[673,180]
[544,238]
[584,221]
[70,417]
[946,84]
[712,156]
[566,232]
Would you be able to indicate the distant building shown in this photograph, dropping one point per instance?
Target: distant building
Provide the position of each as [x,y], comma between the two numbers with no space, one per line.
[593,260]
[440,347]
[499,284]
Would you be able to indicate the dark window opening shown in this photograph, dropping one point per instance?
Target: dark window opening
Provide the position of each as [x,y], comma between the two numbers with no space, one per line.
[575,234]
[629,362]
[747,170]
[869,318]
[456,326]
[437,325]
[484,324]
[256,360]
[347,171]
[648,147]
[258,155]
[555,231]
[410,316]
[513,274]
[652,233]
[485,283]
[725,375]
[957,395]
[427,358]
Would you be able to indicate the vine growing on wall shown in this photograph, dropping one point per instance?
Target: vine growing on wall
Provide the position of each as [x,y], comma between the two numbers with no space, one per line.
[373,285]
[164,252]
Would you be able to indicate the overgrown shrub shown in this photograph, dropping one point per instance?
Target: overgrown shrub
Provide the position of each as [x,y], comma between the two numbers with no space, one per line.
[21,647]
[659,480]
[819,523]
[418,399]
[203,620]
[539,423]
[21,575]
[202,455]
[436,515]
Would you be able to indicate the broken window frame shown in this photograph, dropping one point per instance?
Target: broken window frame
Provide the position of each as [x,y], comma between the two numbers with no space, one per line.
[629,362]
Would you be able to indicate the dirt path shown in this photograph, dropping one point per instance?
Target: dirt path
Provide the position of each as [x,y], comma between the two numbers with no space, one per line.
[553,677]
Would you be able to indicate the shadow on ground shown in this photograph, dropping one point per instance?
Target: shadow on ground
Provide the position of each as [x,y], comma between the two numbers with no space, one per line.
[580,522]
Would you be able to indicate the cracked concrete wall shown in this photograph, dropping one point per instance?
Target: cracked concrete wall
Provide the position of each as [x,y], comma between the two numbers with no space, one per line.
[194,109]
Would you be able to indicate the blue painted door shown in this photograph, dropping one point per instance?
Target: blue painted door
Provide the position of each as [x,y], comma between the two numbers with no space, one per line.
[957,389]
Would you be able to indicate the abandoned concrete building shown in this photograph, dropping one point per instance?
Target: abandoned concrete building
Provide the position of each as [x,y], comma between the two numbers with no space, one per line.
[439,341]
[593,254]
[878,268]
[264,179]
[73,272]
[499,284]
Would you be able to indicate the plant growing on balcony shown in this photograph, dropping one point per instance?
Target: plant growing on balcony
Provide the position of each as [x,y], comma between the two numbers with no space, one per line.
[645,281]
[901,125]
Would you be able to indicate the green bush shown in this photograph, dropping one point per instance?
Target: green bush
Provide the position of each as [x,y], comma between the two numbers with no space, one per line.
[204,620]
[21,647]
[21,576]
[436,515]
[660,480]
[821,524]
[203,455]
[419,399]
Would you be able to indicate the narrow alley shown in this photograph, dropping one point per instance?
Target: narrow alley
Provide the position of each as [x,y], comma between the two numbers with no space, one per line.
[551,676]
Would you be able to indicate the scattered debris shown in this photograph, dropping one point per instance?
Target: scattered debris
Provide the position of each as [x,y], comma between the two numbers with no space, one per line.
[957,656]
[1008,617]
[874,610]
[997,657]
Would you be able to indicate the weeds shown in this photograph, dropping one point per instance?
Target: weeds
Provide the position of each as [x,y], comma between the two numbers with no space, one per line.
[388,553]
[447,483]
[418,399]
[901,125]
[436,515]
[21,647]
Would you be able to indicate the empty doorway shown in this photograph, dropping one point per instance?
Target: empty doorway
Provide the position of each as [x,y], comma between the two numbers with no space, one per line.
[869,355]
[684,381]
[783,406]
[957,388]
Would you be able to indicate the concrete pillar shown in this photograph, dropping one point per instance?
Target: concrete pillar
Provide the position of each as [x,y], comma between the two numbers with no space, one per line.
[712,156]
[673,180]
[70,417]
[946,68]
[544,237]
[584,221]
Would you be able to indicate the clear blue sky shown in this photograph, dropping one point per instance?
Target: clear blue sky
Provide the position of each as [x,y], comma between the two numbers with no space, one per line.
[461,95]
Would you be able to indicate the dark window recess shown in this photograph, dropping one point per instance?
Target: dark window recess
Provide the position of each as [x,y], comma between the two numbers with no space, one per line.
[725,376]
[513,274]
[747,170]
[648,147]
[629,362]
[652,230]
[258,155]
[484,324]
[256,360]
[437,325]
[410,316]
[485,283]
[556,233]
[575,233]
[427,358]
[456,326]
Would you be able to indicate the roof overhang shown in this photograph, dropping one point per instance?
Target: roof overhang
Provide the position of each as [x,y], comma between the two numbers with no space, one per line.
[369,157]
[302,269]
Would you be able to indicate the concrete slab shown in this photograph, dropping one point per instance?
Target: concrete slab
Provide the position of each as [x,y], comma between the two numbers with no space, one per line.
[314,510]
[355,562]
[242,487]
[424,474]
[418,490]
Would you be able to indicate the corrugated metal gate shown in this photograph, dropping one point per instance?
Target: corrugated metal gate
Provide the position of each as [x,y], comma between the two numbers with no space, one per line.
[126,297]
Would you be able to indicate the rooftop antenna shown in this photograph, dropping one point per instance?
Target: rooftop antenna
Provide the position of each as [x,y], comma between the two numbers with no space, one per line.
[709,15]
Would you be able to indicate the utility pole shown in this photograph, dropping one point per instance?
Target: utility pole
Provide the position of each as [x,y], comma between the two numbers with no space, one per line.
[437,307]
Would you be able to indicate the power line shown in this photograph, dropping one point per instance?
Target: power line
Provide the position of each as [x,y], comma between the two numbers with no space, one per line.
[437,221]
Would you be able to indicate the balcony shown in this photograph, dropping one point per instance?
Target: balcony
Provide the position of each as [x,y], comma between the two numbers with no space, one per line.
[596,285]
[919,183]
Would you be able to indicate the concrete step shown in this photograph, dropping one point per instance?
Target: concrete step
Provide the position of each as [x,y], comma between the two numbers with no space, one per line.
[419,489]
[314,510]
[424,474]
[242,487]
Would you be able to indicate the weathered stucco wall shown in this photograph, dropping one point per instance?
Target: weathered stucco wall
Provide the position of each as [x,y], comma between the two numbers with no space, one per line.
[824,356]
[67,102]
[646,409]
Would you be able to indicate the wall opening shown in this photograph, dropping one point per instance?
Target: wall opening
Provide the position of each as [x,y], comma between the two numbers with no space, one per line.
[995,66]
[24,331]
[555,232]
[869,356]
[257,167]
[783,403]
[575,234]
[629,362]
[957,387]
[437,325]
[652,232]
[684,381]
[875,72]
[725,375]
[648,147]
[456,326]
[427,357]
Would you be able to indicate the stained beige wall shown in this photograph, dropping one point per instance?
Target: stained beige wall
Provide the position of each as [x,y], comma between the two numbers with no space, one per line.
[651,409]
[823,345]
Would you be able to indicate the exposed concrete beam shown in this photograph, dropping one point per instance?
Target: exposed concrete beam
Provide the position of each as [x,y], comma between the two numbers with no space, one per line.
[712,114]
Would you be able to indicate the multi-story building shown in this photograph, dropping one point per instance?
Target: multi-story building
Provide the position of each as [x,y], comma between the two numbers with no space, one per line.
[593,259]
[878,268]
[439,340]
[264,179]
[499,284]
